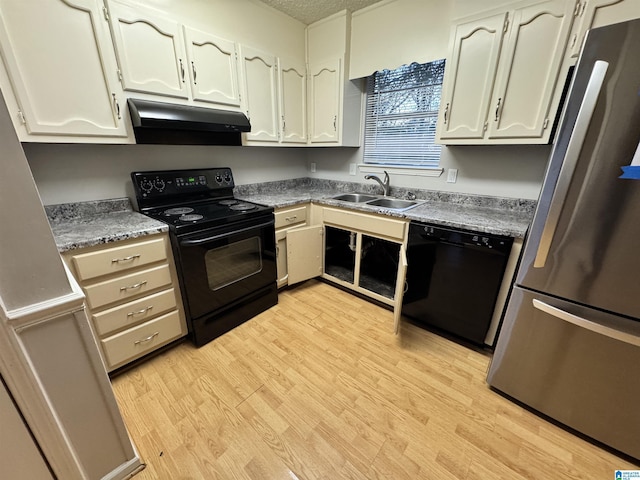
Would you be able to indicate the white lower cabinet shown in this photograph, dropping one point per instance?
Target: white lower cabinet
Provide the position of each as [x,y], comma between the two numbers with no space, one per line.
[132,296]
[362,252]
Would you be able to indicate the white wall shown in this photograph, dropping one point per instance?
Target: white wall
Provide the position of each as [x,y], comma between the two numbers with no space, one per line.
[76,173]
[513,171]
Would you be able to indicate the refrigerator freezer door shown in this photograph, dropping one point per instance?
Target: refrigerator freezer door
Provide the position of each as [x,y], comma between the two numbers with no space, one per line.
[592,253]
[574,364]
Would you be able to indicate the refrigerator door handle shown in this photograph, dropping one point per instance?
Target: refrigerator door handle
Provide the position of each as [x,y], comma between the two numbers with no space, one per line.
[587,324]
[570,160]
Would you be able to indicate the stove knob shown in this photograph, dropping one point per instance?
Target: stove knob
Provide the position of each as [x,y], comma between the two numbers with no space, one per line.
[146,185]
[159,184]
[219,178]
[227,177]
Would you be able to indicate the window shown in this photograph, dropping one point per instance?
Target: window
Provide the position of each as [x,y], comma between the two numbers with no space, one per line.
[401,115]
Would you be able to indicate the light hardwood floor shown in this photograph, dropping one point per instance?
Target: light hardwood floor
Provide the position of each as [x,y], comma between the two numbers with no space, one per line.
[318,387]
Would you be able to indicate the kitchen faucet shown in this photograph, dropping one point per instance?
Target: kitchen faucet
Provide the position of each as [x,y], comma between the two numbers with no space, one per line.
[384,185]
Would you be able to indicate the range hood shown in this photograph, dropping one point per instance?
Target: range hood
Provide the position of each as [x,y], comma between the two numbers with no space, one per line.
[171,124]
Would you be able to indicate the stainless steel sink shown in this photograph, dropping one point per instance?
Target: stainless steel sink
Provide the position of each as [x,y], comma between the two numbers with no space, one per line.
[394,203]
[355,197]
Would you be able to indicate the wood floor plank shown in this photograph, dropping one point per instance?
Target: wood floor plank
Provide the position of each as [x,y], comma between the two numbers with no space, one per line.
[318,387]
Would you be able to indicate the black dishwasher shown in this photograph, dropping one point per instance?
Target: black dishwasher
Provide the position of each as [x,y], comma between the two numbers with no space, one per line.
[453,278]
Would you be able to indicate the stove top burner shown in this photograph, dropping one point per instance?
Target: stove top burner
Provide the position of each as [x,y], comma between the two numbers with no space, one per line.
[178,211]
[242,207]
[190,217]
[232,201]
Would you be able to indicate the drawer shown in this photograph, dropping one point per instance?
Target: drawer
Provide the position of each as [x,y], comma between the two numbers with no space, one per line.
[127,286]
[132,313]
[126,346]
[291,216]
[383,226]
[119,259]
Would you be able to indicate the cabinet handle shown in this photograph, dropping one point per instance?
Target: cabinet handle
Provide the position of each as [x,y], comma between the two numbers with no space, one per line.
[193,69]
[335,122]
[498,108]
[148,339]
[132,287]
[284,124]
[291,219]
[446,112]
[140,312]
[116,106]
[277,251]
[125,259]
[181,69]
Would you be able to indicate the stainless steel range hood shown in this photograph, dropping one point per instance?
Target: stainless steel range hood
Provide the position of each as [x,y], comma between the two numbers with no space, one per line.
[171,124]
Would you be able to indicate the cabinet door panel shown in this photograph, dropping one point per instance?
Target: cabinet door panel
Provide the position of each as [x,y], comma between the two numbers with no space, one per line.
[57,57]
[304,253]
[529,69]
[150,52]
[293,102]
[325,101]
[259,71]
[213,68]
[470,77]
[598,13]
[400,287]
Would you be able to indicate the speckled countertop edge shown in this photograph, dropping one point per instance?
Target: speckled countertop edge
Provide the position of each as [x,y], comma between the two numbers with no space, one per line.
[85,224]
[494,215]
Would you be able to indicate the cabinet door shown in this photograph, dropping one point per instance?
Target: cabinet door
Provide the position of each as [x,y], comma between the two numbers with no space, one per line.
[150,52]
[260,83]
[598,13]
[469,79]
[304,253]
[60,63]
[529,70]
[400,288]
[293,102]
[213,68]
[325,87]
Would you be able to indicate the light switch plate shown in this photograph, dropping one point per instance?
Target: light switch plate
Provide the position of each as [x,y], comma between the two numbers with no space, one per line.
[352,169]
[452,175]
[312,167]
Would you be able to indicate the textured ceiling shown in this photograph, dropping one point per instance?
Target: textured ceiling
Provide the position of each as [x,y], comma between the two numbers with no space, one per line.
[309,11]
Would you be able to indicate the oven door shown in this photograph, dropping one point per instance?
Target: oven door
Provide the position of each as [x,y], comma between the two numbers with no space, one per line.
[224,264]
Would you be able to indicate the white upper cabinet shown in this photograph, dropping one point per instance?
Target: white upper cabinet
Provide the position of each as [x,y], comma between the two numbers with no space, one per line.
[293,102]
[213,68]
[61,69]
[325,98]
[150,52]
[259,72]
[335,102]
[470,75]
[598,13]
[158,56]
[504,76]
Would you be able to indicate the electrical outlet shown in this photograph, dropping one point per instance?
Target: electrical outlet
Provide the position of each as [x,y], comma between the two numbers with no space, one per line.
[312,167]
[452,175]
[352,169]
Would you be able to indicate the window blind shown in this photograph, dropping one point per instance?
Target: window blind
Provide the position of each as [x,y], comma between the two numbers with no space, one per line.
[401,115]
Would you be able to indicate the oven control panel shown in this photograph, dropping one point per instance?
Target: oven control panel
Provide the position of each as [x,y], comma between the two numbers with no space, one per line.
[165,183]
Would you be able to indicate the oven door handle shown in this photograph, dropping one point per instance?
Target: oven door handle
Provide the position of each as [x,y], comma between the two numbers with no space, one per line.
[200,241]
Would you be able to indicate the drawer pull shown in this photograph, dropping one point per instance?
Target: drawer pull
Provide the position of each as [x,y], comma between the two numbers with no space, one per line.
[126,259]
[148,339]
[140,312]
[291,219]
[131,287]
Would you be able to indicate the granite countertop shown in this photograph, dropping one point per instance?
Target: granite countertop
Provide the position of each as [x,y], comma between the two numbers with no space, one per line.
[494,215]
[85,224]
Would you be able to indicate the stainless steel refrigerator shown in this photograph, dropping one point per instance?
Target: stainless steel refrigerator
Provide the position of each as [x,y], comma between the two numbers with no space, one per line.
[569,346]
